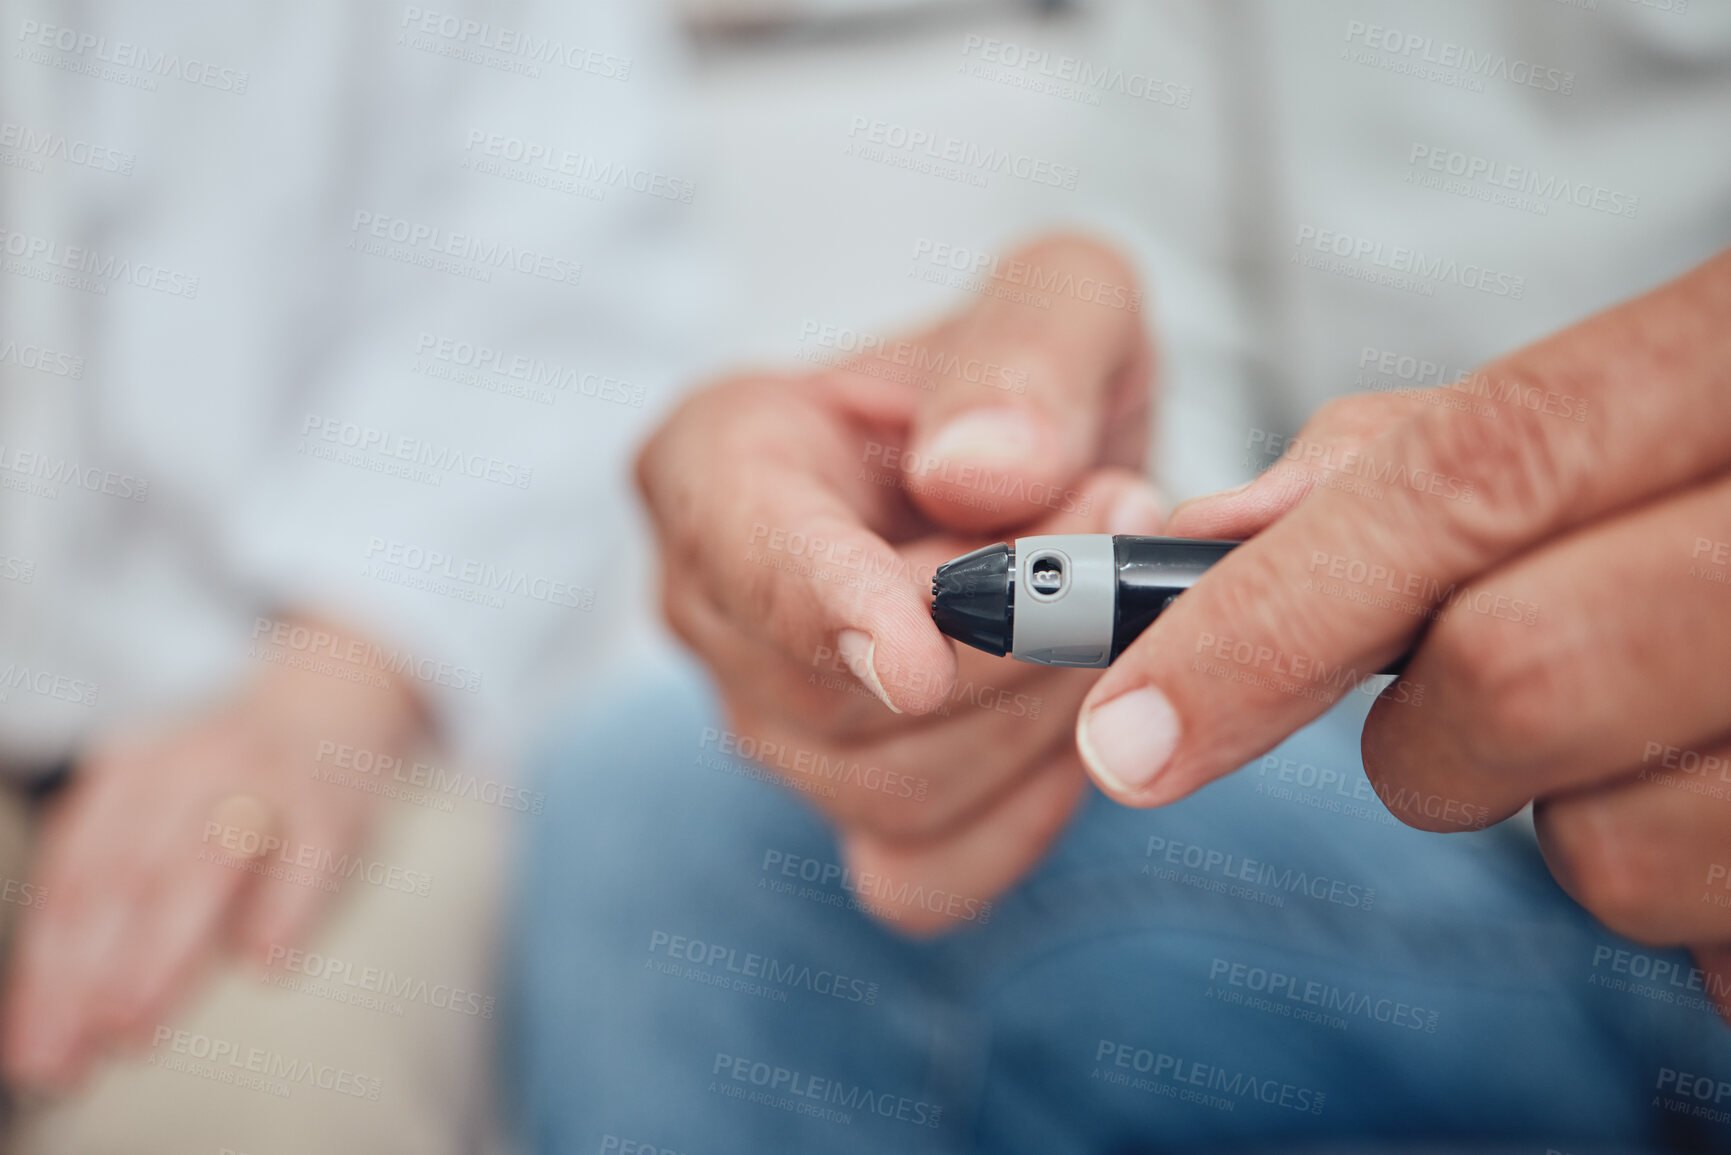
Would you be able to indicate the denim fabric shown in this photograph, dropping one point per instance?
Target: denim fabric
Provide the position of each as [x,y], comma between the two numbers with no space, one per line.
[1272,964]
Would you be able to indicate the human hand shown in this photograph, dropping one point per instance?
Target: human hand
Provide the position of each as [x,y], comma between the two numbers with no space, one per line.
[158,851]
[1552,534]
[800,520]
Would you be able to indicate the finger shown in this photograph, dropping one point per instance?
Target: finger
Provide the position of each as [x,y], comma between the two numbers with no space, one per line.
[50,1012]
[1648,858]
[1714,959]
[822,696]
[48,1027]
[926,781]
[751,490]
[1565,666]
[1025,396]
[922,888]
[1334,436]
[1250,654]
[281,910]
[986,738]
[169,939]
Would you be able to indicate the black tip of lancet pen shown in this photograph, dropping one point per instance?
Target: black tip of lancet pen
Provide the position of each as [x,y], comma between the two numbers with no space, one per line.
[973,598]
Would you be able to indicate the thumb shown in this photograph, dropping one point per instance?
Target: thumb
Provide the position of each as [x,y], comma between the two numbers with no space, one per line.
[1028,390]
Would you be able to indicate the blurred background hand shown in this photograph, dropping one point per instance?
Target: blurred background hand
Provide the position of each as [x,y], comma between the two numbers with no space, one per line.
[168,846]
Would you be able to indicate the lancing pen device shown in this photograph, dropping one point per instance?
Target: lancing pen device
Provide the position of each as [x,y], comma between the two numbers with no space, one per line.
[1072,599]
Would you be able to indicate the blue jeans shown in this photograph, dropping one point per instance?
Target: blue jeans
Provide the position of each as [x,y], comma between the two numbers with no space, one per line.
[1273,963]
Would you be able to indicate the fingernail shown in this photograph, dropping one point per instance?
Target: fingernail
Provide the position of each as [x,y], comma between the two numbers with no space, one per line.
[990,436]
[856,648]
[1139,510]
[1128,740]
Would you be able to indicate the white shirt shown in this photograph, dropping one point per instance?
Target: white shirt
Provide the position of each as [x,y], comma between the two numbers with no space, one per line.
[356,308]
[1205,137]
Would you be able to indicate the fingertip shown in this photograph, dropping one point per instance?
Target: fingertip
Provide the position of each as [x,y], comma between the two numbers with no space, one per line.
[990,466]
[42,1050]
[987,436]
[1127,742]
[859,650]
[1138,511]
[908,665]
[1202,516]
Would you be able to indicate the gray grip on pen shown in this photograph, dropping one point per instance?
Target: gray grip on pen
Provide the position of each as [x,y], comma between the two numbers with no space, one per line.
[1066,588]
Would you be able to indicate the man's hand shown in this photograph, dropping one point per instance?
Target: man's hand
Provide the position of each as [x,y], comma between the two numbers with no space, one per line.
[1554,536]
[800,521]
[159,848]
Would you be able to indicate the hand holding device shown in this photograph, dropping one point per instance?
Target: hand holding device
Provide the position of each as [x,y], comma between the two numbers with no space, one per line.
[1565,595]
[800,519]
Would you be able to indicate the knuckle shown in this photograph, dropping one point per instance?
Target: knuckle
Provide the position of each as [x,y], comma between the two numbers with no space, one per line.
[1512,471]
[1039,367]
[1353,413]
[1516,689]
[1609,867]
